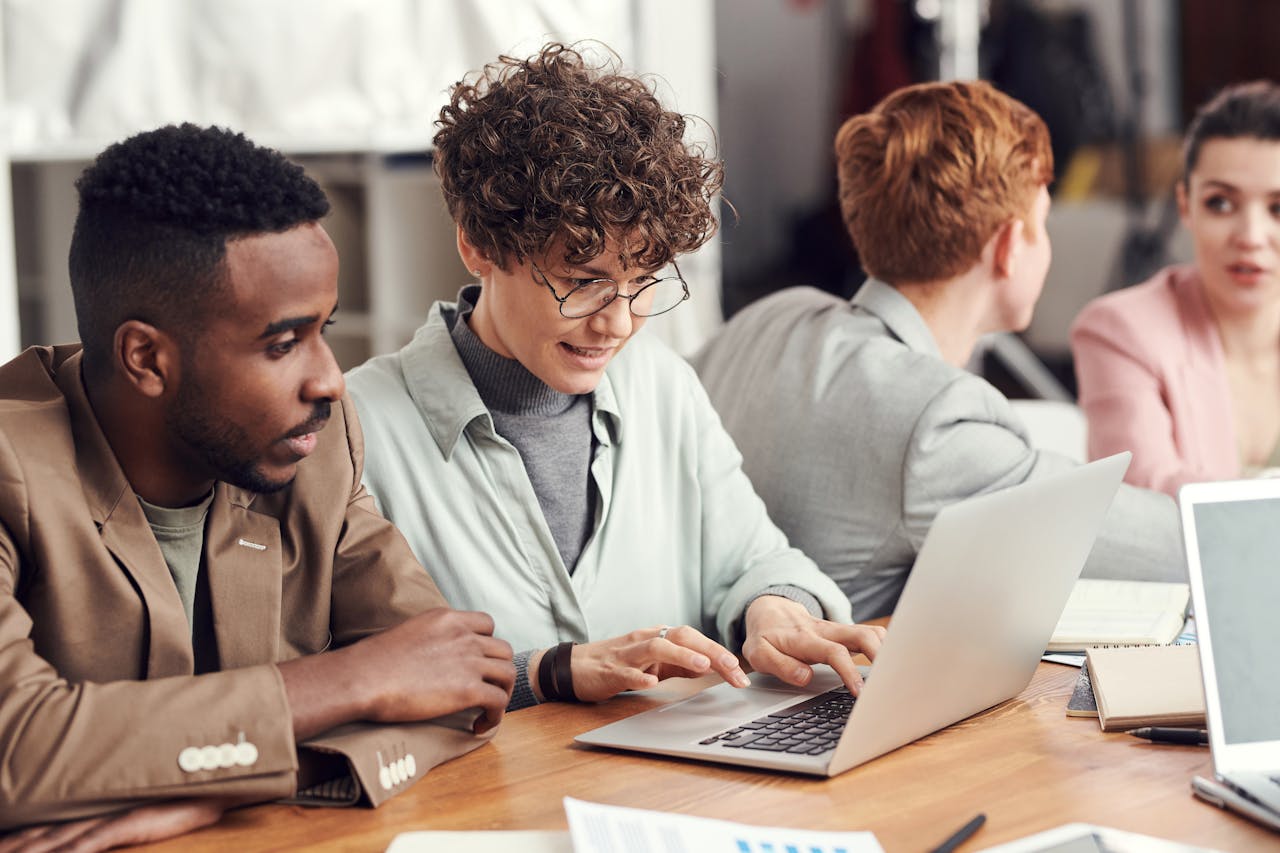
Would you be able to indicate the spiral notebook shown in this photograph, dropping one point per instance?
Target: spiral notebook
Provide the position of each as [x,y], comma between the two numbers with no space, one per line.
[1113,612]
[1146,686]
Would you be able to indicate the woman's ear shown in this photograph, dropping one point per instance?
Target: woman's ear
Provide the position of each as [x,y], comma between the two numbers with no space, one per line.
[1007,248]
[477,264]
[145,357]
[1184,203]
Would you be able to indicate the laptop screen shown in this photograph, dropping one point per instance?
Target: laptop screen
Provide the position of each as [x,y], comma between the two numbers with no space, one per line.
[1239,545]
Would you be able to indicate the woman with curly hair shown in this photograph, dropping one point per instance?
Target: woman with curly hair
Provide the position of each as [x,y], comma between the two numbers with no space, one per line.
[551,467]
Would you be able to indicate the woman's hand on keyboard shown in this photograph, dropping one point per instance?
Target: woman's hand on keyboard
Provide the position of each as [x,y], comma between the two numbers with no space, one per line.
[646,656]
[783,639]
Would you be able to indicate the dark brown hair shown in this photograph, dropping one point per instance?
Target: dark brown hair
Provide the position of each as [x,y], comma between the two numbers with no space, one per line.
[552,150]
[932,171]
[1241,110]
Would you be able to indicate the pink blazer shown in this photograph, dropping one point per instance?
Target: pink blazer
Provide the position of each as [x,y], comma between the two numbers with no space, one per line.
[1153,380]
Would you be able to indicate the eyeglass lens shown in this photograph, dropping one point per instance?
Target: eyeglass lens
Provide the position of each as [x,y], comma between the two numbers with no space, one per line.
[657,297]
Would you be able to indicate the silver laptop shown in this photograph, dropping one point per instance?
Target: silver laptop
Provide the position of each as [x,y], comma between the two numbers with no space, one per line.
[977,612]
[1232,536]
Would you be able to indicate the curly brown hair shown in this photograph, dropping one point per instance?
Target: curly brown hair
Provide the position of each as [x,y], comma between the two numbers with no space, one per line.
[552,150]
[930,174]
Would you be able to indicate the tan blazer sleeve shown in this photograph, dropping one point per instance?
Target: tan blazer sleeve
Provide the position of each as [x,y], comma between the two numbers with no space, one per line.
[71,750]
[76,748]
[377,583]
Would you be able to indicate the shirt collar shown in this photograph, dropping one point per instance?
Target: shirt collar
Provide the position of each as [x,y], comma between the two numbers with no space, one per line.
[887,303]
[442,390]
[607,415]
[438,381]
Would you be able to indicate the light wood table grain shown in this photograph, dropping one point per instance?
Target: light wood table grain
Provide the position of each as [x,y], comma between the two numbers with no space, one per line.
[1024,763]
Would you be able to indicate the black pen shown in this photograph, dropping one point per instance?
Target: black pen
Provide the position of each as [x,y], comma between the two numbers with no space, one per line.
[961,835]
[1161,734]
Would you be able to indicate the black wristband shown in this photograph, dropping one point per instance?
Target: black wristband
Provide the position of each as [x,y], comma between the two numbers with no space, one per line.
[564,673]
[546,668]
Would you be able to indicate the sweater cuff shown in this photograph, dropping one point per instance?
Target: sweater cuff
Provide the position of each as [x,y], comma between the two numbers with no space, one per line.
[803,597]
[522,693]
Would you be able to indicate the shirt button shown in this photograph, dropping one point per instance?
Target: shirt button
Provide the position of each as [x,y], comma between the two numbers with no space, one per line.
[410,766]
[189,759]
[227,755]
[384,778]
[246,753]
[397,771]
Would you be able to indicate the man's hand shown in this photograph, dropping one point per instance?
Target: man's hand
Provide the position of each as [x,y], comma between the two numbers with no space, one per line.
[783,639]
[435,663]
[643,658]
[135,826]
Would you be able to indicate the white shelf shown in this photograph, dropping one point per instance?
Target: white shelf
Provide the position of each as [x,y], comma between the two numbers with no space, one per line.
[365,84]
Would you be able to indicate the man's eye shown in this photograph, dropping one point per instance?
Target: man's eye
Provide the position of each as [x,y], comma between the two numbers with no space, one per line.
[327,324]
[283,348]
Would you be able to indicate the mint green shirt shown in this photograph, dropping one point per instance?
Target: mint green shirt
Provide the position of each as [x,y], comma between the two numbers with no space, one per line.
[680,536]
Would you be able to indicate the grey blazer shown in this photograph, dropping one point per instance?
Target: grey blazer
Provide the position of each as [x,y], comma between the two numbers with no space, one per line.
[856,433]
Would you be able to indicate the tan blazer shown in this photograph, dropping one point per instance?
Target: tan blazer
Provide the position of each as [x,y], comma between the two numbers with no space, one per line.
[1153,380]
[99,708]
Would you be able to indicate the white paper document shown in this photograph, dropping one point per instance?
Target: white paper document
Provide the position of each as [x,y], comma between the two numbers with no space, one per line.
[1087,838]
[597,828]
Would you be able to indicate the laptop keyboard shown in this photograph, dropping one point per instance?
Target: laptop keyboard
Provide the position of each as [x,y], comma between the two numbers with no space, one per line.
[810,727]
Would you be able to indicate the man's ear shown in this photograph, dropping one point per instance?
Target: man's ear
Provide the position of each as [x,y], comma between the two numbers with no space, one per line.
[146,357]
[1006,248]
[477,264]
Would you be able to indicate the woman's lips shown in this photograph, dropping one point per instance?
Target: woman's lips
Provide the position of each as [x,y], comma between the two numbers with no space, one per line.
[588,357]
[1246,273]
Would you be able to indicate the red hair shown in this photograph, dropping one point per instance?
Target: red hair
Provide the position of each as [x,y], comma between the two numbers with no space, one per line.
[930,174]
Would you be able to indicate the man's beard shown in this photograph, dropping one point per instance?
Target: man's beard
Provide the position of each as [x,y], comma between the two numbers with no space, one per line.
[224,446]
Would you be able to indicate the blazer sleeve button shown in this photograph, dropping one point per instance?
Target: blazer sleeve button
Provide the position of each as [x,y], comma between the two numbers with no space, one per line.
[189,759]
[209,758]
[246,753]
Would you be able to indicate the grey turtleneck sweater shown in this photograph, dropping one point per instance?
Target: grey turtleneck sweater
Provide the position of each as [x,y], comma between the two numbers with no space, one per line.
[552,432]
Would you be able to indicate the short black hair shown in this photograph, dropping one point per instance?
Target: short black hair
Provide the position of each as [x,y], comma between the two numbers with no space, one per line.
[156,213]
[1249,110]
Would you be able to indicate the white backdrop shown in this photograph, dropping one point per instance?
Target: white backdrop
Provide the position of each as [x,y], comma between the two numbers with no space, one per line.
[311,76]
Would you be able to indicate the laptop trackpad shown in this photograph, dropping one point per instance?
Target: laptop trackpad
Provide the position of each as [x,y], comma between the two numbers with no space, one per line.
[724,700]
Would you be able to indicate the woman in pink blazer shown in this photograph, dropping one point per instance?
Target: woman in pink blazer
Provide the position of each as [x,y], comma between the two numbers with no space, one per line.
[1184,369]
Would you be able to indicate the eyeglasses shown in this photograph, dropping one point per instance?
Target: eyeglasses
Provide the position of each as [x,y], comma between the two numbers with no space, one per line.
[588,296]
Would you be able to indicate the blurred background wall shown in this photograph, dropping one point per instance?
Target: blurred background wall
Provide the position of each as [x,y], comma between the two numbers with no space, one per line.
[1115,80]
[351,88]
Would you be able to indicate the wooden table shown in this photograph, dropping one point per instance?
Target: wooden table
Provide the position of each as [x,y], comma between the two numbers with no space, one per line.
[1024,763]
